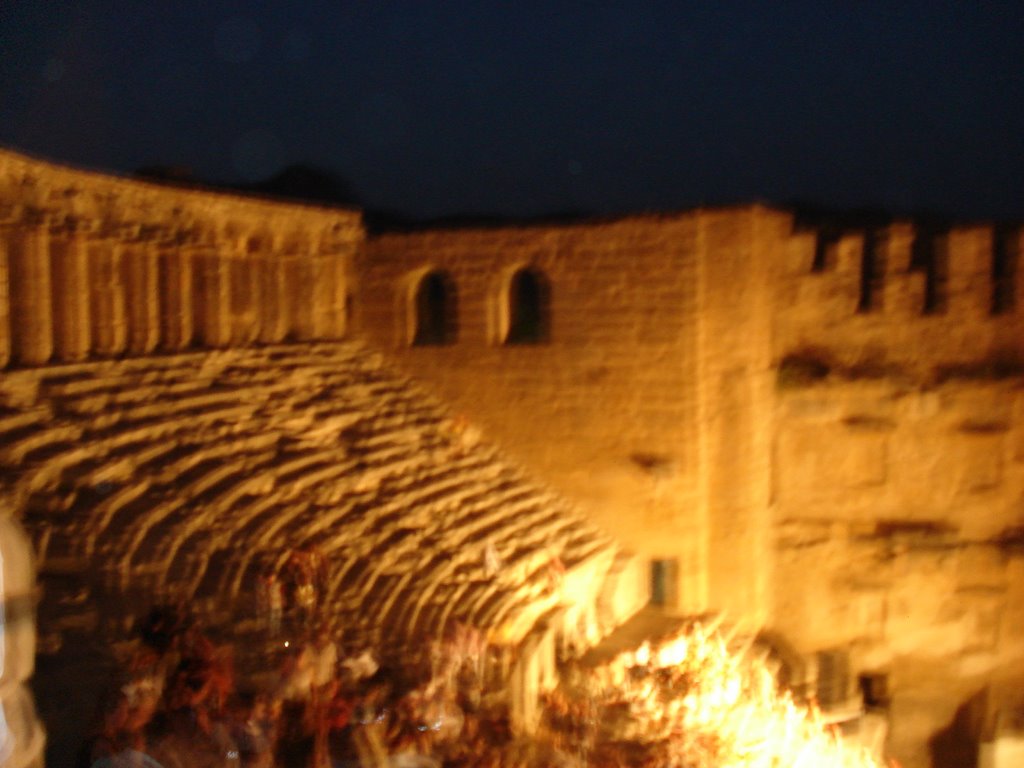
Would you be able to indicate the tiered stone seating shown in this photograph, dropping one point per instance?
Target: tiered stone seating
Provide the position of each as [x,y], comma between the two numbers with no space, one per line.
[201,470]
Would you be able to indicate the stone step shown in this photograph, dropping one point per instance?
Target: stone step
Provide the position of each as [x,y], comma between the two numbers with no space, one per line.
[212,467]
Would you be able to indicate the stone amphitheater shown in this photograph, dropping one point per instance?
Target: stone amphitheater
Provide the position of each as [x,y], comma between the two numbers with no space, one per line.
[187,472]
[816,429]
[169,435]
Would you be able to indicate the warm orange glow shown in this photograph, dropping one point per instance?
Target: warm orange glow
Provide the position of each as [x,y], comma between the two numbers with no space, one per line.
[714,707]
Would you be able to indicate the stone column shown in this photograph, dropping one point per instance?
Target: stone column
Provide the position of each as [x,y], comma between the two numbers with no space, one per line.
[142,296]
[274,294]
[176,288]
[244,273]
[211,298]
[300,277]
[330,290]
[108,289]
[69,265]
[31,307]
[5,298]
[321,290]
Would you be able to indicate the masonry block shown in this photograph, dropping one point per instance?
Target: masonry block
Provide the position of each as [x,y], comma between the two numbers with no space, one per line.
[970,273]
[903,288]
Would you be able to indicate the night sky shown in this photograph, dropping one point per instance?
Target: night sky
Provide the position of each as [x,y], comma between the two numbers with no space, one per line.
[523,108]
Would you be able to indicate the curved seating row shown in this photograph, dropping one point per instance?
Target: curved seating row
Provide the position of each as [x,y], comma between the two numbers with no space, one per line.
[203,470]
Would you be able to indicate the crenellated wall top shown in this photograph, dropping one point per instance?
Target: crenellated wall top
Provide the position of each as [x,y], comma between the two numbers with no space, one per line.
[69,200]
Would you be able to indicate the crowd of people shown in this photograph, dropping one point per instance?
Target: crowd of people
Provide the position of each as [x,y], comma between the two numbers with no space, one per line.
[298,692]
[184,701]
[307,697]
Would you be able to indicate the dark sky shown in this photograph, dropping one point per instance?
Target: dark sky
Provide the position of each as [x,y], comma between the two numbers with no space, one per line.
[522,108]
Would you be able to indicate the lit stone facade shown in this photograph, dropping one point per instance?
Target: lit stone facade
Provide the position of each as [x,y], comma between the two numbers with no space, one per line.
[645,344]
[94,266]
[822,431]
[817,432]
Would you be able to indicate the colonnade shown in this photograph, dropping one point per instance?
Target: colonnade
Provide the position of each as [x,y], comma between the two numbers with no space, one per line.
[95,266]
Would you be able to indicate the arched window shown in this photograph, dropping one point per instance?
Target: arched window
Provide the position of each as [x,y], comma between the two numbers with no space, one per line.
[434,308]
[528,308]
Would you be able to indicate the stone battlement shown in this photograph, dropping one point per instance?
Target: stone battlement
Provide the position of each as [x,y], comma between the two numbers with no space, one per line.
[906,295]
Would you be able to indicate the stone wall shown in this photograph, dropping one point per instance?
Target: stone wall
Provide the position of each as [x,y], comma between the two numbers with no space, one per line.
[604,408]
[96,266]
[897,469]
[646,401]
[926,306]
[822,429]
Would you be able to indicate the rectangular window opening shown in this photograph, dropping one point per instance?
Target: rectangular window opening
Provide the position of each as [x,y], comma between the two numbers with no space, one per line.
[664,583]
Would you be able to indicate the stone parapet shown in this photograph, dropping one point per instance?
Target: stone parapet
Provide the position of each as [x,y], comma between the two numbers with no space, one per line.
[916,297]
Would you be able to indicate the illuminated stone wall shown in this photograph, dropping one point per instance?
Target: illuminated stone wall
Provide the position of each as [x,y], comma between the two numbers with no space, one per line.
[832,423]
[822,431]
[658,324]
[898,469]
[604,407]
[896,429]
[95,266]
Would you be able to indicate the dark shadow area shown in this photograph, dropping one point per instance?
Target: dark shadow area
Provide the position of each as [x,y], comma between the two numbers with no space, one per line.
[529,299]
[803,368]
[825,243]
[956,745]
[872,269]
[74,662]
[930,254]
[1005,260]
[436,311]
[998,364]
